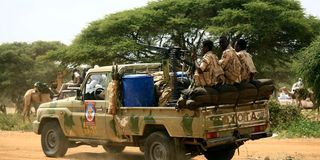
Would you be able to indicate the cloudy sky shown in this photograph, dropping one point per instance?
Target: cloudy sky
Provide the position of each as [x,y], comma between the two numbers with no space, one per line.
[62,20]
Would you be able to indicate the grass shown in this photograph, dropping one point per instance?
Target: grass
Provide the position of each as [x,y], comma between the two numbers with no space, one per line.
[304,128]
[14,122]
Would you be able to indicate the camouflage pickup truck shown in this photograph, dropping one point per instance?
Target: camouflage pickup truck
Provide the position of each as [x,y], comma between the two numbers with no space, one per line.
[161,132]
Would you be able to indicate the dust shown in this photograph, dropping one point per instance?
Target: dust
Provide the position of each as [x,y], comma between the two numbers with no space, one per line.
[126,155]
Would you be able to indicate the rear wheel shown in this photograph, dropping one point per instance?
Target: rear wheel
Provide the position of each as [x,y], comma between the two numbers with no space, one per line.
[113,148]
[225,154]
[159,146]
[53,141]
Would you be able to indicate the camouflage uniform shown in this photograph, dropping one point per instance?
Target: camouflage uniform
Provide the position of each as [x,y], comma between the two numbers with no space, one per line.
[231,65]
[248,67]
[212,71]
[165,96]
[112,95]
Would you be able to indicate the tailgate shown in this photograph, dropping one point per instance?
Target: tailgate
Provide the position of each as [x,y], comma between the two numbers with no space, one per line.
[243,119]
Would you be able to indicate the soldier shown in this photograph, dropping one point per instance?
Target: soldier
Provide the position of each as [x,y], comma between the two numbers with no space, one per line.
[75,82]
[208,72]
[76,77]
[229,62]
[248,69]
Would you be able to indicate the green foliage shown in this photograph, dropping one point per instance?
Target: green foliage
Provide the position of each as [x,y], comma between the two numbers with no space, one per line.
[22,64]
[114,38]
[303,128]
[281,116]
[275,30]
[309,66]
[13,122]
[288,122]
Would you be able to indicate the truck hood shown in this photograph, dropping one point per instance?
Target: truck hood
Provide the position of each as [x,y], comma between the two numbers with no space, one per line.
[61,103]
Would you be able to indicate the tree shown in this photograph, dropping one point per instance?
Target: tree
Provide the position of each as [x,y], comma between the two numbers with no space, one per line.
[309,66]
[21,66]
[275,30]
[115,37]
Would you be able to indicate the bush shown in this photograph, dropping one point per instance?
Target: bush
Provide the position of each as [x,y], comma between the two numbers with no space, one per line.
[14,122]
[281,116]
[289,122]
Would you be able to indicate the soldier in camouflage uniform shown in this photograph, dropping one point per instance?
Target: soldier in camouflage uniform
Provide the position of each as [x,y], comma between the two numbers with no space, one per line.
[248,69]
[208,72]
[230,62]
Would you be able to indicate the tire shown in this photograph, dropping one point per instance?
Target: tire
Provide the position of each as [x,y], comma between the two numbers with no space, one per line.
[225,154]
[159,146]
[113,148]
[53,141]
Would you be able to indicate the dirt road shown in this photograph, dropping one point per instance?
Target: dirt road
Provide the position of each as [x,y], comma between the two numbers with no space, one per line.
[26,146]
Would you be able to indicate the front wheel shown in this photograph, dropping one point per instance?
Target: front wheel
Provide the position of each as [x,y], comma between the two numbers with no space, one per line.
[159,146]
[53,141]
[225,154]
[113,148]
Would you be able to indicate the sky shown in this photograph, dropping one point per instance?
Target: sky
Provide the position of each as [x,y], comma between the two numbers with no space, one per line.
[62,20]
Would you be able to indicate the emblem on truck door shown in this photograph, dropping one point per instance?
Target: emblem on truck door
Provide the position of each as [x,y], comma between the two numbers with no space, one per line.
[90,111]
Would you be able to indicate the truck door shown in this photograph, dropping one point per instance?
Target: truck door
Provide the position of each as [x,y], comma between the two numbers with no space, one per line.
[89,113]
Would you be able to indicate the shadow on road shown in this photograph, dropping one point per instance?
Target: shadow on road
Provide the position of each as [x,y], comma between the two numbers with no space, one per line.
[105,156]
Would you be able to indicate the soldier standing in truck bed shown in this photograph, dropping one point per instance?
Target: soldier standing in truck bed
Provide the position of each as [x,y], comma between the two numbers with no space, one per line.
[248,69]
[229,62]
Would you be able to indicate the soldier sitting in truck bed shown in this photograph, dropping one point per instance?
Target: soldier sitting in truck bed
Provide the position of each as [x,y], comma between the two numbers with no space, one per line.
[248,69]
[229,62]
[208,72]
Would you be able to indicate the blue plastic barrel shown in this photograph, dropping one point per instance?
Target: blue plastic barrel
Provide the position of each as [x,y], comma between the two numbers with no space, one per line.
[138,90]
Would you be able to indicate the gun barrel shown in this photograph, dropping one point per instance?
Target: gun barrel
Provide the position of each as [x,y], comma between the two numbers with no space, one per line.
[155,48]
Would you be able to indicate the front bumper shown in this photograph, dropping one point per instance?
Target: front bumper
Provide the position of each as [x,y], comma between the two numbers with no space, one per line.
[35,126]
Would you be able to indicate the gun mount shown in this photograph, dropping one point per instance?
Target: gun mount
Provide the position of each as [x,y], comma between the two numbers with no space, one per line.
[173,54]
